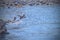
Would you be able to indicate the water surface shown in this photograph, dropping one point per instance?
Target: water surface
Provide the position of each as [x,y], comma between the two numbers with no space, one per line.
[41,23]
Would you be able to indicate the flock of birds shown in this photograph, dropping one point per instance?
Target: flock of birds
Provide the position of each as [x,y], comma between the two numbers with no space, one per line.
[17,21]
[14,21]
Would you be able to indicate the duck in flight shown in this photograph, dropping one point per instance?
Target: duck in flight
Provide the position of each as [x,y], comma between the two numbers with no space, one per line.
[21,17]
[14,20]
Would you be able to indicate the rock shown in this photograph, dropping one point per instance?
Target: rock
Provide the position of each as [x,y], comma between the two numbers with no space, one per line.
[3,29]
[20,3]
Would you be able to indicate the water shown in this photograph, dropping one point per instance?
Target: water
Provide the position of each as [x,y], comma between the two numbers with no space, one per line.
[41,23]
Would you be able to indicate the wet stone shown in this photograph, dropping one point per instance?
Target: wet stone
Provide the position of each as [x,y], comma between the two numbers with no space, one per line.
[3,29]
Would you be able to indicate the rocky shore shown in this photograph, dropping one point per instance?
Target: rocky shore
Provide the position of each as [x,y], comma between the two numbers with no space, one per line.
[3,29]
[3,23]
[20,3]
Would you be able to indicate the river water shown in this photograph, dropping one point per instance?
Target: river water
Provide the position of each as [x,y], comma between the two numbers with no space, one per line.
[41,23]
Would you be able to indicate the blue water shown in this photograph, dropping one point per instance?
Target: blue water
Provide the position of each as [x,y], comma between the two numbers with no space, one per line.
[41,23]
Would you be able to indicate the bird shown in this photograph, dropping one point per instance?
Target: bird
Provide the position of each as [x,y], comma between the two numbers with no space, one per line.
[14,18]
[21,17]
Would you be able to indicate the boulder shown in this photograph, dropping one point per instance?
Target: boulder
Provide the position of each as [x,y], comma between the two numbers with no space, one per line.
[3,29]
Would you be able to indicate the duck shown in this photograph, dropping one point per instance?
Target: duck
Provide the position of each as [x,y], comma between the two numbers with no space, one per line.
[21,17]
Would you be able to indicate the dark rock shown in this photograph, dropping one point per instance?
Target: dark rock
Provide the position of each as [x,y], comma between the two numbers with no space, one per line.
[8,7]
[15,4]
[32,4]
[23,3]
[3,29]
[11,4]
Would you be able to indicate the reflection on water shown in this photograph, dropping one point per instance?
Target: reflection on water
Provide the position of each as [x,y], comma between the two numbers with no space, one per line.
[2,37]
